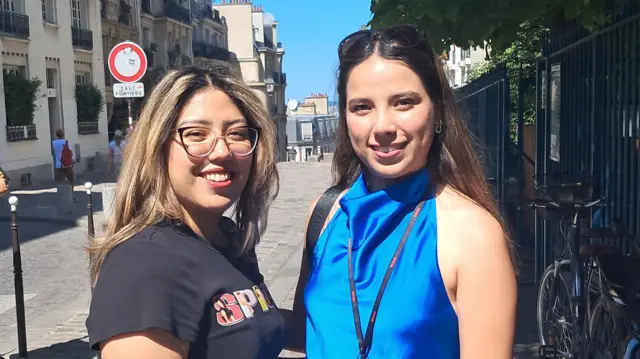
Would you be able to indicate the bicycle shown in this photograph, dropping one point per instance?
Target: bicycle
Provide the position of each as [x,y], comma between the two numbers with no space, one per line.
[620,299]
[560,337]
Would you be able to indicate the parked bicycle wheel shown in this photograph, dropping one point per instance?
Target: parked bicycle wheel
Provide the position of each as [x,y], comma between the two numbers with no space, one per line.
[607,332]
[555,324]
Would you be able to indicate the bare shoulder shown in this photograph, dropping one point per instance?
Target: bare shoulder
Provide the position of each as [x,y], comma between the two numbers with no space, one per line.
[466,223]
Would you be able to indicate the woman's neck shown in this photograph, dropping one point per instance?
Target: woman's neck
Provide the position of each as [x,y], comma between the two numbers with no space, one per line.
[206,226]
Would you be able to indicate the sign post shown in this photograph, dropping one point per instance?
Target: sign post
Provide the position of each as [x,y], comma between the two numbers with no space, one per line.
[128,63]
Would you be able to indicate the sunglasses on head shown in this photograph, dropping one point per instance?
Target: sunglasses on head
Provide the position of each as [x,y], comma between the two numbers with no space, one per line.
[400,36]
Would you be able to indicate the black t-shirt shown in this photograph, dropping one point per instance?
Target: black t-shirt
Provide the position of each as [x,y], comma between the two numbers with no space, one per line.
[169,278]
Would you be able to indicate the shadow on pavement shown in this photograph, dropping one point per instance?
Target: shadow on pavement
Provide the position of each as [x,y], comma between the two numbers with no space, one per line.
[74,349]
[42,214]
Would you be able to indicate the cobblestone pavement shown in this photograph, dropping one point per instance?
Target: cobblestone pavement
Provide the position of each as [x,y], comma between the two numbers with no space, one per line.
[56,285]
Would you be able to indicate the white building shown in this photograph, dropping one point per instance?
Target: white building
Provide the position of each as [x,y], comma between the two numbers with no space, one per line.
[252,39]
[58,42]
[459,63]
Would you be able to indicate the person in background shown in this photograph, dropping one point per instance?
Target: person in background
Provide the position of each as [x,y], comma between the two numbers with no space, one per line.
[116,147]
[174,278]
[64,160]
[412,240]
[4,184]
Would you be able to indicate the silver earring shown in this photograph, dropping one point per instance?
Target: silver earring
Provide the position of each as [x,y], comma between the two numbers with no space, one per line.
[438,128]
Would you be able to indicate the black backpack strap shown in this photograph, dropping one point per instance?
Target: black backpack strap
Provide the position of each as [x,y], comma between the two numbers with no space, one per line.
[319,216]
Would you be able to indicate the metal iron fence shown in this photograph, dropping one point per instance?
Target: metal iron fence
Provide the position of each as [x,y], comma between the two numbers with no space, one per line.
[588,121]
[485,105]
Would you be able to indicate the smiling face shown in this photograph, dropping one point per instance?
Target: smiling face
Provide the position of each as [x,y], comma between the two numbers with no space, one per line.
[209,180]
[390,119]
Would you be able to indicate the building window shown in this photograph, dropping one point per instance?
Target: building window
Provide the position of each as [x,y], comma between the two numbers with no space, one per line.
[75,14]
[49,11]
[8,5]
[15,69]
[83,78]
[146,41]
[51,78]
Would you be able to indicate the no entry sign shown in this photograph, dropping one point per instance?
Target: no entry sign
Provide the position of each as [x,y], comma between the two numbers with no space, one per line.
[127,62]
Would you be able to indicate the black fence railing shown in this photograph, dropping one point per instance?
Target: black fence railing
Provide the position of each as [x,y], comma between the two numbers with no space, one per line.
[588,121]
[485,105]
[88,128]
[21,133]
[82,38]
[177,12]
[210,51]
[14,24]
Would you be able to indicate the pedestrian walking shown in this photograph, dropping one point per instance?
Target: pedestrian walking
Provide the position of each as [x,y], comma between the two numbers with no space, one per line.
[64,172]
[409,239]
[116,148]
[173,277]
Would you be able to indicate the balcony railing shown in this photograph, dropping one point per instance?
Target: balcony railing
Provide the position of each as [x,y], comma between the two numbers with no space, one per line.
[146,6]
[206,12]
[88,128]
[21,133]
[14,24]
[177,12]
[81,38]
[210,51]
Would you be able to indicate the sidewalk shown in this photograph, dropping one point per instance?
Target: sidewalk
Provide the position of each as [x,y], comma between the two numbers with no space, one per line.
[43,204]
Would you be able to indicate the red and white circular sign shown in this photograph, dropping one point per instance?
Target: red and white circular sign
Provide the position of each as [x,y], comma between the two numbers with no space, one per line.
[127,62]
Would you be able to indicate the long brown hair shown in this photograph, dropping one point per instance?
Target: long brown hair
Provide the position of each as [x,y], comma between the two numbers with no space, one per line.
[143,193]
[452,158]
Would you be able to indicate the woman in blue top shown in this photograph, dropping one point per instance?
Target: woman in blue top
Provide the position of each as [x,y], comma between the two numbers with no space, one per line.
[417,217]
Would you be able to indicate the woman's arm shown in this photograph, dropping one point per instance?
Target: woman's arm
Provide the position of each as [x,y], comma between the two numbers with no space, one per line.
[486,291]
[147,344]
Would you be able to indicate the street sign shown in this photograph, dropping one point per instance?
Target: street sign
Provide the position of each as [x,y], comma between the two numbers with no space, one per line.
[135,89]
[127,62]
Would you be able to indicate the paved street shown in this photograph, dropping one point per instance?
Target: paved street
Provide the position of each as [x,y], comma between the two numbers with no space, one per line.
[55,267]
[55,276]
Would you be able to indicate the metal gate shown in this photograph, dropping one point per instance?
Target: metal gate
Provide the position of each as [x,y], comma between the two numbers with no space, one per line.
[485,105]
[588,120]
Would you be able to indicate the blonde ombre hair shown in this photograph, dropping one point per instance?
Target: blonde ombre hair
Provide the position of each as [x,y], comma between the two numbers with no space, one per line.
[144,195]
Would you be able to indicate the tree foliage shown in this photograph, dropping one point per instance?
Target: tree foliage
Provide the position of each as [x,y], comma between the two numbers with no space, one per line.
[20,95]
[89,102]
[495,22]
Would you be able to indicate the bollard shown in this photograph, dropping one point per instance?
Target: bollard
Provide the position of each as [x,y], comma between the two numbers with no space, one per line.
[65,198]
[17,272]
[108,198]
[88,186]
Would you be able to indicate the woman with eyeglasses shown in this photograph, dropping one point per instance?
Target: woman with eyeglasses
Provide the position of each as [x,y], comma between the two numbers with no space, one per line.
[409,239]
[173,277]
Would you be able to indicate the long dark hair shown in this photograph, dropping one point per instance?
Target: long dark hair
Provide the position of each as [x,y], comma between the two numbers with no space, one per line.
[452,158]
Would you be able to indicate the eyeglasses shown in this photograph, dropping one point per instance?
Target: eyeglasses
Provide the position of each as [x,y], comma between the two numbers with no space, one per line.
[400,36]
[200,141]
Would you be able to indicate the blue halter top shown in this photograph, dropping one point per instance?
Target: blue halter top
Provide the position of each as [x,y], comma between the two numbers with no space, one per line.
[415,318]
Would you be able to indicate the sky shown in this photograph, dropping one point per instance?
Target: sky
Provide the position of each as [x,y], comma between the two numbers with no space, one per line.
[310,32]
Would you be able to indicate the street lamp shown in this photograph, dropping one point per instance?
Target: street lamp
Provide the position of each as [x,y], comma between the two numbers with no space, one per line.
[270,86]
